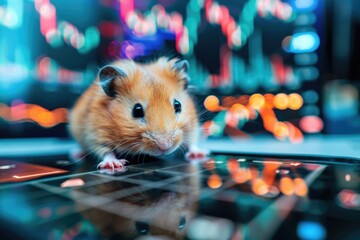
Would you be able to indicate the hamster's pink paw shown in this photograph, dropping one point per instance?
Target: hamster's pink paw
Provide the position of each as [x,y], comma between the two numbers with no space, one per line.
[112,163]
[195,153]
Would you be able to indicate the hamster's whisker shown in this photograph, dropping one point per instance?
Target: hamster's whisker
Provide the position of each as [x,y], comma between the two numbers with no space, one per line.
[202,112]
[105,146]
[187,140]
[143,153]
[136,145]
[182,149]
[120,143]
[130,149]
[179,149]
[191,120]
[141,150]
[125,152]
[125,142]
[90,152]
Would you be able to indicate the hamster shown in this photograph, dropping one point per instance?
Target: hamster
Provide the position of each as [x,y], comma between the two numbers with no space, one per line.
[134,108]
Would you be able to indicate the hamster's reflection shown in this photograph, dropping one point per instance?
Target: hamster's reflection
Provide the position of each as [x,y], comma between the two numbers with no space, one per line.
[146,211]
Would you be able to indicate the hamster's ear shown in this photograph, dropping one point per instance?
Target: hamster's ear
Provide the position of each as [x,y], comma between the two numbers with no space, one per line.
[182,66]
[107,77]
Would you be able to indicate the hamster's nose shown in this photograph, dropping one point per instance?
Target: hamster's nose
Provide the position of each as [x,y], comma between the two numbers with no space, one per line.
[163,141]
[164,144]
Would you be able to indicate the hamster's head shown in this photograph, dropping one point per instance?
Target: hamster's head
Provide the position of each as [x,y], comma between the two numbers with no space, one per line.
[148,106]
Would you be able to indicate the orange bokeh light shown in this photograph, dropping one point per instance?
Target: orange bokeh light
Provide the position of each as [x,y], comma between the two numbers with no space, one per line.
[35,113]
[269,119]
[211,103]
[287,186]
[46,119]
[257,101]
[281,130]
[214,181]
[60,114]
[240,111]
[269,100]
[259,187]
[295,101]
[241,175]
[301,188]
[269,173]
[281,101]
[295,135]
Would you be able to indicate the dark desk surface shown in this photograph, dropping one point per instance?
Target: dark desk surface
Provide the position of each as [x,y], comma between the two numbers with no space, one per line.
[225,197]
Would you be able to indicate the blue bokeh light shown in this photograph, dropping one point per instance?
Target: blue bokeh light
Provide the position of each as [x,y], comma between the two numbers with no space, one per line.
[305,5]
[311,230]
[304,42]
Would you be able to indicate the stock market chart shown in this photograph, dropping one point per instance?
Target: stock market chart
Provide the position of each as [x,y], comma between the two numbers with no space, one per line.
[255,63]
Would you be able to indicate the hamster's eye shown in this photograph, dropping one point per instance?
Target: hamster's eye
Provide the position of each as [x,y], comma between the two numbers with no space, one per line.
[138,111]
[177,106]
[182,223]
[142,227]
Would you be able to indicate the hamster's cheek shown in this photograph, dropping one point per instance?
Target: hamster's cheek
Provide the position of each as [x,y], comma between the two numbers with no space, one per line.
[178,137]
[187,120]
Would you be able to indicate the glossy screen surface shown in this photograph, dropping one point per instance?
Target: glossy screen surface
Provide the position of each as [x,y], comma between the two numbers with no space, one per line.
[225,197]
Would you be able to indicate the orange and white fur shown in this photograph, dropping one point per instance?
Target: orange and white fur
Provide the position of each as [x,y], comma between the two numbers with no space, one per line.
[135,108]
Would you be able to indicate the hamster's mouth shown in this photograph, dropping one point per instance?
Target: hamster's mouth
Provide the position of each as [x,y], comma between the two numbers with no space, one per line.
[158,152]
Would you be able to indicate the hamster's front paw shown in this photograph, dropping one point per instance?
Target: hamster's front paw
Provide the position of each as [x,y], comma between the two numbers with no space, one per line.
[110,162]
[195,153]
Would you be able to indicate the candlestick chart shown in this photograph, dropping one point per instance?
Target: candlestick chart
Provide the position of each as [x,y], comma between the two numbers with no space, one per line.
[252,61]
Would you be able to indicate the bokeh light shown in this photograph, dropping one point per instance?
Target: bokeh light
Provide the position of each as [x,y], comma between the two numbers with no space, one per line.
[301,188]
[311,124]
[257,101]
[214,181]
[241,175]
[303,42]
[20,112]
[295,101]
[240,111]
[311,230]
[287,186]
[281,130]
[211,103]
[281,101]
[259,187]
[349,199]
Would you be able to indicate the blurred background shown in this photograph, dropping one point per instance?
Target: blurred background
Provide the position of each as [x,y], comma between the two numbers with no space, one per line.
[285,68]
